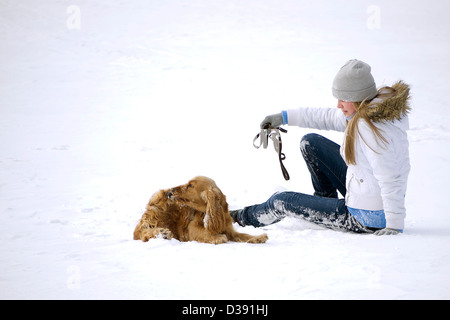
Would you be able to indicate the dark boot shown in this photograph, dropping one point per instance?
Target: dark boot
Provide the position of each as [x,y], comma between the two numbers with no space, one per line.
[234,216]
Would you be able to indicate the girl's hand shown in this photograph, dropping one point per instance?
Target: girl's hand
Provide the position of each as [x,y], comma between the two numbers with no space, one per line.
[274,120]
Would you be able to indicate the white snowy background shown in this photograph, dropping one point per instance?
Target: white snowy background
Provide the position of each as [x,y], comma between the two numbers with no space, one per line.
[104,102]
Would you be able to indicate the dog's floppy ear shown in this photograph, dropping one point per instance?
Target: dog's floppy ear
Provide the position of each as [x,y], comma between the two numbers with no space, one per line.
[158,198]
[216,210]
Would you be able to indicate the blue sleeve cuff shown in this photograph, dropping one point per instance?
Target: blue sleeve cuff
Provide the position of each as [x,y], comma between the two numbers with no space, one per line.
[285,117]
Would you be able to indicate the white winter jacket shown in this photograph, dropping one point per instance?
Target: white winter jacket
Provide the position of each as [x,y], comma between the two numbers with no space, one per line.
[379,178]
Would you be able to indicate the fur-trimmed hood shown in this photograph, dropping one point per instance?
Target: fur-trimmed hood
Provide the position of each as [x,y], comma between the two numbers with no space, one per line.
[392,107]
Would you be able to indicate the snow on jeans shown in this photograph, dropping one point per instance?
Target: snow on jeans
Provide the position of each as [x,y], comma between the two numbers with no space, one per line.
[328,171]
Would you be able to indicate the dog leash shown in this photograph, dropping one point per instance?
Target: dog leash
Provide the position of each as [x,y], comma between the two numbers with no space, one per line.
[274,134]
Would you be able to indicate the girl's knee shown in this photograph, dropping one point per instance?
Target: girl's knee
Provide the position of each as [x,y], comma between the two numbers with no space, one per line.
[274,203]
[308,142]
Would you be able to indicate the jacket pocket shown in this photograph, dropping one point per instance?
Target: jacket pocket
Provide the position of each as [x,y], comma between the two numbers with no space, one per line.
[360,184]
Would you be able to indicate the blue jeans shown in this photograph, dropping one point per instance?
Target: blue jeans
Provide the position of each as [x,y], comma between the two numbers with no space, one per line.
[328,171]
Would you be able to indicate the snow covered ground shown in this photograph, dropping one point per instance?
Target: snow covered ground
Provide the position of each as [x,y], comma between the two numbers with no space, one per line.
[104,102]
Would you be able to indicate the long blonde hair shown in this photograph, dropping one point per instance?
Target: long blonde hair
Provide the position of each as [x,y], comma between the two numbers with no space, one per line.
[362,113]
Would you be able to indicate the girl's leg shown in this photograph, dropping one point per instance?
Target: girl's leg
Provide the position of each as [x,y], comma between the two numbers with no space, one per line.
[329,212]
[327,168]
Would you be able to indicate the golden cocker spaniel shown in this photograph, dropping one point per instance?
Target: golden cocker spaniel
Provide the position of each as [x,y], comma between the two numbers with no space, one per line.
[196,211]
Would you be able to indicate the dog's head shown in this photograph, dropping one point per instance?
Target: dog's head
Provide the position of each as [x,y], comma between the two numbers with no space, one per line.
[194,193]
[202,194]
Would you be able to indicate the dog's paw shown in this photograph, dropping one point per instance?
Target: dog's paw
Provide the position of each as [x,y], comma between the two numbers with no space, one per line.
[165,234]
[220,238]
[146,236]
[259,239]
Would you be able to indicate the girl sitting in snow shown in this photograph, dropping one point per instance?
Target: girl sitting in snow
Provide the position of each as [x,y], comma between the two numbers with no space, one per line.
[370,170]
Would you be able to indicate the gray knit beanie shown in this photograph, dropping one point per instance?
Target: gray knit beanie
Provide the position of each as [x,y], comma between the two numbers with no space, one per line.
[354,82]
